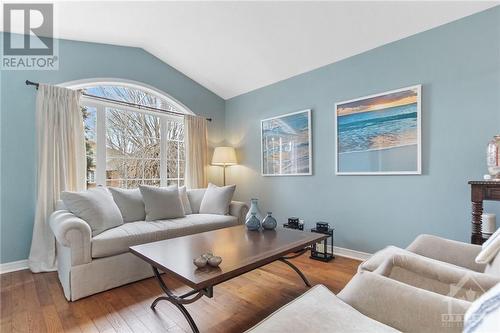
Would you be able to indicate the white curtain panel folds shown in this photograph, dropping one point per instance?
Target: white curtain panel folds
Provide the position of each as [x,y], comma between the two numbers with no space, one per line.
[196,151]
[61,164]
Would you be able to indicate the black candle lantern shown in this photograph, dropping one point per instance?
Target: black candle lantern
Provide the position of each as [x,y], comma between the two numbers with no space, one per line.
[323,251]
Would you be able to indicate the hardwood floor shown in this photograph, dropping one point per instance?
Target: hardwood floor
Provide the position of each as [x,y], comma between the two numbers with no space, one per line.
[35,302]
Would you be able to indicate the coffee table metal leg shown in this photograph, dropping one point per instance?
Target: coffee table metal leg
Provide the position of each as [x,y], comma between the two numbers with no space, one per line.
[295,268]
[178,301]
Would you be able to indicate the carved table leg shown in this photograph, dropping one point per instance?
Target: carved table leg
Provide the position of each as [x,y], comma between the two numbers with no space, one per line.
[477,211]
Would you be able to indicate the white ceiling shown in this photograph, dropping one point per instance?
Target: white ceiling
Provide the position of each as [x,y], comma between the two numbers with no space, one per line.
[235,47]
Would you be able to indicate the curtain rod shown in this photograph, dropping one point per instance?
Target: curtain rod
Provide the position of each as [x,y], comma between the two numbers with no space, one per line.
[36,84]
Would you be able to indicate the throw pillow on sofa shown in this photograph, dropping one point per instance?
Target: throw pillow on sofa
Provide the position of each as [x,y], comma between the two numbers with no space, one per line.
[217,199]
[130,203]
[162,203]
[490,248]
[94,206]
[185,200]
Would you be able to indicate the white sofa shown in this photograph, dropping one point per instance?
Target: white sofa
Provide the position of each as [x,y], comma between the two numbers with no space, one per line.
[87,265]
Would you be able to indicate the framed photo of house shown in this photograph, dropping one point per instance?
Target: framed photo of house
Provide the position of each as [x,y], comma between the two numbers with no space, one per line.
[286,148]
[380,134]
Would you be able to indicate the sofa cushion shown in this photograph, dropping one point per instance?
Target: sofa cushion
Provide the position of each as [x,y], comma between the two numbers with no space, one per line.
[119,239]
[94,206]
[130,203]
[162,202]
[185,200]
[319,310]
[195,197]
[217,199]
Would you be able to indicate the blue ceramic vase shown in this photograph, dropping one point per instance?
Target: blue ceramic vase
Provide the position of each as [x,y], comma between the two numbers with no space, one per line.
[252,223]
[269,222]
[254,208]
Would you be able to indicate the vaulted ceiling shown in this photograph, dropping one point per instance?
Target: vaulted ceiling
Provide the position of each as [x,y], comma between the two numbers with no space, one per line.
[235,47]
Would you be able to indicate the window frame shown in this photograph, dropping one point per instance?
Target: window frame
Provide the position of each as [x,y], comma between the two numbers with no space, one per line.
[100,126]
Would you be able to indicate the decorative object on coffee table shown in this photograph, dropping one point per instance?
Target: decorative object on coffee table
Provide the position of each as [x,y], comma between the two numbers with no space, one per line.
[493,157]
[254,208]
[214,261]
[269,222]
[323,251]
[200,262]
[253,222]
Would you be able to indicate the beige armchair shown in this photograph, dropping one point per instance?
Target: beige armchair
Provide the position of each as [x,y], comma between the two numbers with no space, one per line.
[369,303]
[437,264]
[438,250]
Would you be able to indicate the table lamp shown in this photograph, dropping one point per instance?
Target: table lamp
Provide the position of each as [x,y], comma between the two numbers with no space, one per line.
[224,156]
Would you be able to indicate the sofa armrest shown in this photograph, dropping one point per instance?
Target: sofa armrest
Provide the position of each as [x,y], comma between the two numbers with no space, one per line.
[447,250]
[238,209]
[73,232]
[437,276]
[403,307]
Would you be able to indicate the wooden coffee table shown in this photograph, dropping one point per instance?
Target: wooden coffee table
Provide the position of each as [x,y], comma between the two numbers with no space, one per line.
[241,251]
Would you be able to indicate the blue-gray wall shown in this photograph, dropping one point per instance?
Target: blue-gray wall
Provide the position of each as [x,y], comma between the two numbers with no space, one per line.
[78,60]
[458,66]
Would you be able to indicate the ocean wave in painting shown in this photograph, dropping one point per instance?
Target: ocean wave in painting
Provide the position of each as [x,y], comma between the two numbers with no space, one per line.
[381,129]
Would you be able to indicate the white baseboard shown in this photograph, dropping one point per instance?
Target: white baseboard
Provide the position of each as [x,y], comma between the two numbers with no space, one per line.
[343,252]
[348,253]
[13,266]
[353,254]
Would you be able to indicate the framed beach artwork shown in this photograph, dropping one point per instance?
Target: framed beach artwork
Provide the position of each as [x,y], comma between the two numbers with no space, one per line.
[380,134]
[286,145]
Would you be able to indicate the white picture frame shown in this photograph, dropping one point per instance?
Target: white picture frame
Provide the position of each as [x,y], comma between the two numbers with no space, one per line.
[304,168]
[418,140]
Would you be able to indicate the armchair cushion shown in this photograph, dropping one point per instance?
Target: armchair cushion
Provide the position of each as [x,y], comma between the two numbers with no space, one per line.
[436,276]
[319,310]
[403,307]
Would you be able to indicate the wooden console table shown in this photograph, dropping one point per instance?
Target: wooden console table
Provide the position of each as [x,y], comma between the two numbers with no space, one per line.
[481,190]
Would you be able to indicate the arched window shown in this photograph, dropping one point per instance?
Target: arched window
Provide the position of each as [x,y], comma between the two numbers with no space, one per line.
[127,145]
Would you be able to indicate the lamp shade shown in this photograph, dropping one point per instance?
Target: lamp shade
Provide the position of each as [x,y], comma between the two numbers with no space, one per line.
[224,156]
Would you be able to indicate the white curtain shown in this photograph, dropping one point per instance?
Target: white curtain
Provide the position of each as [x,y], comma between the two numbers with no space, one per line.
[61,164]
[196,151]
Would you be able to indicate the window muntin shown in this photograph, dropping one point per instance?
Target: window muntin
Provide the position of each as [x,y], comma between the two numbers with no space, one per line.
[89,118]
[132,146]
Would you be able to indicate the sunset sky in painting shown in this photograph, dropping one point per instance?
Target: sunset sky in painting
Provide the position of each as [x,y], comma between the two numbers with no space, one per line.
[379,102]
